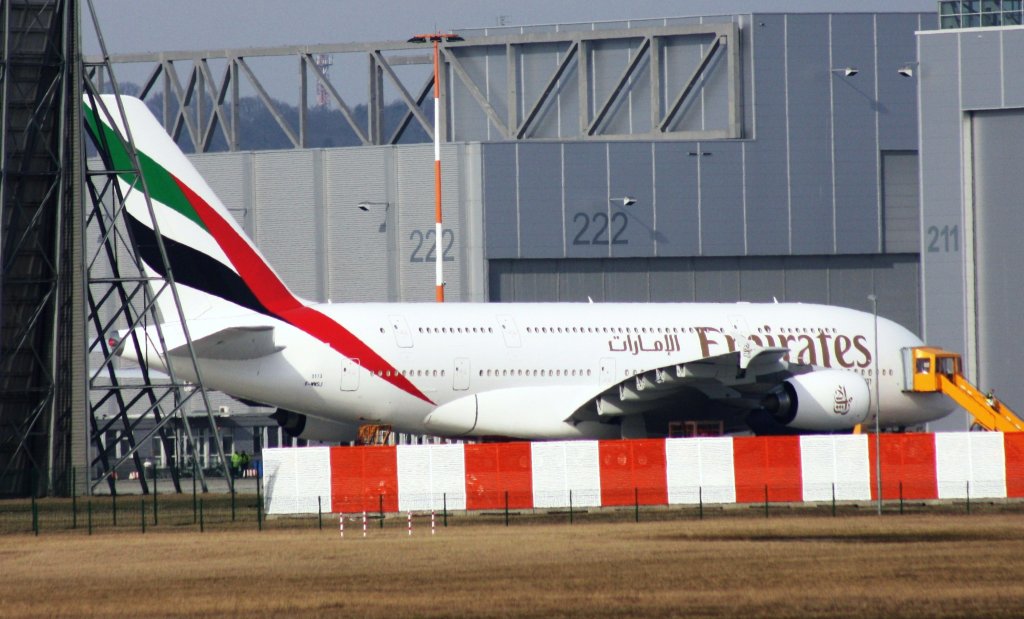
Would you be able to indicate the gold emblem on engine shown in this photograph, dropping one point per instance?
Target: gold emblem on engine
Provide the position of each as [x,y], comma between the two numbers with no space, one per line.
[842,401]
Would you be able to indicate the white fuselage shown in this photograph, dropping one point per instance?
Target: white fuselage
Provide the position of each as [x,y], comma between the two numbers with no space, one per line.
[451,350]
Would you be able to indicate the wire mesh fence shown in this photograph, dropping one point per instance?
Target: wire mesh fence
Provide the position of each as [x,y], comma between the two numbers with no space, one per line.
[204,512]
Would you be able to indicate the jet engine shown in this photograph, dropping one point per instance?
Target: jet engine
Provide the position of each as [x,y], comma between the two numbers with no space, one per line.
[822,400]
[302,426]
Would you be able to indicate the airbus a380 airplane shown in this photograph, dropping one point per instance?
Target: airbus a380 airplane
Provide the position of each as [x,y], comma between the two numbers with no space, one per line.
[537,371]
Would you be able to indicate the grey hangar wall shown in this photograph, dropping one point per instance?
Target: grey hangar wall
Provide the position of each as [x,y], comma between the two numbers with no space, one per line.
[972,146]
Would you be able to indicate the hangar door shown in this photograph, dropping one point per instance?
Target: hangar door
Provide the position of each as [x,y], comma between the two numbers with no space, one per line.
[998,150]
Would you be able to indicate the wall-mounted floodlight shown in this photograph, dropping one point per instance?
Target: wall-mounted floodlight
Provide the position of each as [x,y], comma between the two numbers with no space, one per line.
[907,70]
[624,200]
[365,207]
[847,71]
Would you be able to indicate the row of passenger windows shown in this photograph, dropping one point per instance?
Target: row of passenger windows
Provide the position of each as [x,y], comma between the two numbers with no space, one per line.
[456,329]
[542,373]
[411,373]
[607,329]
[659,330]
[870,372]
[664,330]
[807,330]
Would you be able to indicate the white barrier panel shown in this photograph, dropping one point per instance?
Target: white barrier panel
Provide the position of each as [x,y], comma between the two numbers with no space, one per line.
[838,460]
[700,469]
[564,466]
[293,480]
[970,461]
[430,477]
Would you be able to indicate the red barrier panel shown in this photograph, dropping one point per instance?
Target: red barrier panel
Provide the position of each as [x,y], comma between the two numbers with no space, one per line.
[633,471]
[772,461]
[492,469]
[361,477]
[1013,446]
[907,459]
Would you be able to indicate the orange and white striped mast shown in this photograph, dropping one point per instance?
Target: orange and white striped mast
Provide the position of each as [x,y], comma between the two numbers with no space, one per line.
[436,39]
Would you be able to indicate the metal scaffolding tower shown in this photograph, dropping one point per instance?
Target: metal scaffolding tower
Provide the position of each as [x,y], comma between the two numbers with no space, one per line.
[38,360]
[121,297]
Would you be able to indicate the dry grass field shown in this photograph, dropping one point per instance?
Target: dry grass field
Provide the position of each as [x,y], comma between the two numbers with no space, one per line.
[797,566]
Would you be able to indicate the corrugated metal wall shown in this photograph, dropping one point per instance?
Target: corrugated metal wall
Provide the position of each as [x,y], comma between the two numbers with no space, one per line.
[809,182]
[833,280]
[972,131]
[998,138]
[301,208]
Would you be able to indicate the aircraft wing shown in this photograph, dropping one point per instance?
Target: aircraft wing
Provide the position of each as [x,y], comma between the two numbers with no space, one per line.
[233,343]
[739,381]
[733,379]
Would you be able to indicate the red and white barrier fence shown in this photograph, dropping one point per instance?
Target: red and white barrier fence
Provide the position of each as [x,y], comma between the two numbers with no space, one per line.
[649,472]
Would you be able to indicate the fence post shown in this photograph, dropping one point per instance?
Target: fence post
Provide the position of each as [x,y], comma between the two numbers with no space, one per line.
[700,500]
[506,508]
[89,507]
[636,504]
[570,506]
[381,498]
[35,515]
[156,509]
[195,507]
[766,500]
[74,501]
[901,497]
[233,503]
[968,497]
[142,502]
[319,512]
[113,501]
[202,527]
[259,499]
[833,499]
[444,506]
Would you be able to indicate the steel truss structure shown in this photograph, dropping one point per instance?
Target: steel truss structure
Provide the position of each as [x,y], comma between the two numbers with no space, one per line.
[201,91]
[120,295]
[37,244]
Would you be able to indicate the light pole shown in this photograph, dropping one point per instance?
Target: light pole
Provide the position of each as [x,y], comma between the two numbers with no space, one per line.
[436,38]
[878,404]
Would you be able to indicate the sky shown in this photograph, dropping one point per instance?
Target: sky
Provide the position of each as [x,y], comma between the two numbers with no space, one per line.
[163,25]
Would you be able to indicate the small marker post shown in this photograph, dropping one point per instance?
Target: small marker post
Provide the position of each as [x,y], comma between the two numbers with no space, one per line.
[409,520]
[432,524]
[341,525]
[364,524]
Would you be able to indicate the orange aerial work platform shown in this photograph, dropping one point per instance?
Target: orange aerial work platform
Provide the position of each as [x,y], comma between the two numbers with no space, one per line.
[934,370]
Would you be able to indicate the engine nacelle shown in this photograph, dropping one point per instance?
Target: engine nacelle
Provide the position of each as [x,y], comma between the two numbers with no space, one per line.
[822,400]
[302,426]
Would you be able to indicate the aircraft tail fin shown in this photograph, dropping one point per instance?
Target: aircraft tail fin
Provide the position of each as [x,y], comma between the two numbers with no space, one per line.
[216,266]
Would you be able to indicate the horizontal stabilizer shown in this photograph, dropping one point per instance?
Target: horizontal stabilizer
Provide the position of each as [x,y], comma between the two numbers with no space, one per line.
[234,344]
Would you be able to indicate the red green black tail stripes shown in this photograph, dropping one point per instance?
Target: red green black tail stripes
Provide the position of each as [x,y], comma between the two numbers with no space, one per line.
[255,285]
